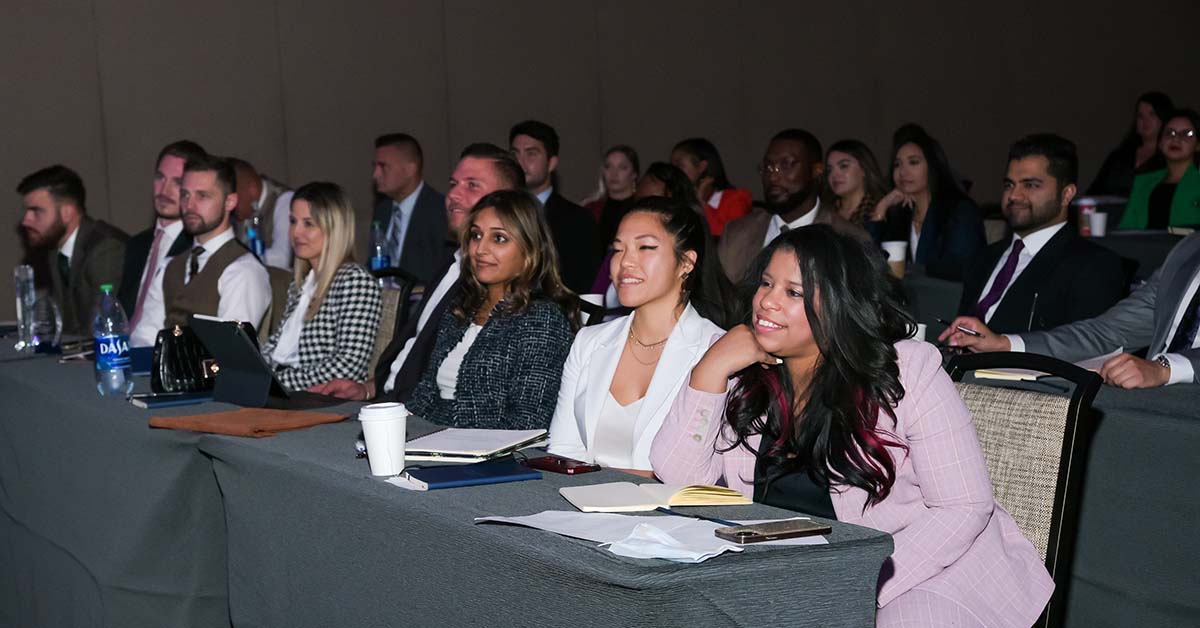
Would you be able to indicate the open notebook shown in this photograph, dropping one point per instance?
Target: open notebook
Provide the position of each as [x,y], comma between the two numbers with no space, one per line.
[630,497]
[1027,375]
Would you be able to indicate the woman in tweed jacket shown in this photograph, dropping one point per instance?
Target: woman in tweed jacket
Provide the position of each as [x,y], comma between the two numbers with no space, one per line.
[498,358]
[333,305]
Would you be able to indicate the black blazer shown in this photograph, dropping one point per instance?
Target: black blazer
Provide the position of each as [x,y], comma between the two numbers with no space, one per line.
[573,232]
[137,253]
[1071,277]
[426,243]
[950,236]
[414,366]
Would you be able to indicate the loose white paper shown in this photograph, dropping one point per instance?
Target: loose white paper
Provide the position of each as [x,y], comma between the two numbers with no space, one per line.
[678,539]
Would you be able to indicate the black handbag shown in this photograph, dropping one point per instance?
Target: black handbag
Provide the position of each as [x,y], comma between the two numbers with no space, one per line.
[182,363]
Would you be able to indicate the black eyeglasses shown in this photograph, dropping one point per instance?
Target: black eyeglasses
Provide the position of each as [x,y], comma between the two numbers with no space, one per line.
[1174,133]
[777,167]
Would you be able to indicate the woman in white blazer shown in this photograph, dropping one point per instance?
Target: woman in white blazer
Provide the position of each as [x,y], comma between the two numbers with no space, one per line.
[621,376]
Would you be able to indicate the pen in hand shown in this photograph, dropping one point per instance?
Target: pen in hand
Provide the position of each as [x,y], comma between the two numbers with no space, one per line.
[969,332]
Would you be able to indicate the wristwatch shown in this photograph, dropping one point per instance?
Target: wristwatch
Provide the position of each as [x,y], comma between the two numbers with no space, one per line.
[1163,362]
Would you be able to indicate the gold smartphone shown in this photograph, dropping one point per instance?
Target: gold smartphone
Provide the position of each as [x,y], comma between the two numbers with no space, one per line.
[772,531]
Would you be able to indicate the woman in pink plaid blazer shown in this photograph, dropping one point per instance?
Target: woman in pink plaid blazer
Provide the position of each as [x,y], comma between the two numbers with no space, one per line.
[821,404]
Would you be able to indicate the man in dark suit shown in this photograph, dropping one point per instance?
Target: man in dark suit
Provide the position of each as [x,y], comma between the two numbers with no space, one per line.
[535,146]
[792,171]
[410,211]
[1045,275]
[481,169]
[84,254]
[147,252]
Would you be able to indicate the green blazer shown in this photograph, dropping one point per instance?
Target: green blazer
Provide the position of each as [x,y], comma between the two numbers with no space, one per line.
[1185,206]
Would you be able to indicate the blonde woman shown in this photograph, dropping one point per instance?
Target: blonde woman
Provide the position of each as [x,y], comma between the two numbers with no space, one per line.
[333,304]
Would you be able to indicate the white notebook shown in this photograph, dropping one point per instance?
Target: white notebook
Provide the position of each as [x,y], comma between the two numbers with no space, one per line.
[630,497]
[470,445]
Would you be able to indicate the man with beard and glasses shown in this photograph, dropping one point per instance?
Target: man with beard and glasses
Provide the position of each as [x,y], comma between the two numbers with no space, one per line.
[83,254]
[218,276]
[792,171]
[482,169]
[1045,275]
[147,252]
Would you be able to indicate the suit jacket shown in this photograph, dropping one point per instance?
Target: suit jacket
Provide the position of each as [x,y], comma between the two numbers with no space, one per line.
[1070,279]
[950,235]
[573,232]
[951,537]
[509,378]
[96,260]
[426,243]
[589,371]
[137,253]
[414,365]
[1143,319]
[339,340]
[743,238]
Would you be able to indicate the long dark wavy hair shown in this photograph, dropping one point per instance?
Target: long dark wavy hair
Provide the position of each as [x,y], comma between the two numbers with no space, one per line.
[538,279]
[836,438]
[706,287]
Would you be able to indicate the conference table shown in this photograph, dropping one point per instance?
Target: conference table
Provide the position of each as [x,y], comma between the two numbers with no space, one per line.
[107,522]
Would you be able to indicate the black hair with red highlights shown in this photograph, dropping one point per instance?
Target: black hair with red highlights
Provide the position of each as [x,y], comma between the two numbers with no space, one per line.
[856,311]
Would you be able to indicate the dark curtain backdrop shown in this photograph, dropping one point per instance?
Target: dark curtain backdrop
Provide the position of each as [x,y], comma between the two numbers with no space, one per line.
[301,87]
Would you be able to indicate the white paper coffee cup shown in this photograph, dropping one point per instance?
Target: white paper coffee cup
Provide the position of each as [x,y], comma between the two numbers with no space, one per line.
[920,335]
[385,428]
[594,299]
[1098,223]
[897,250]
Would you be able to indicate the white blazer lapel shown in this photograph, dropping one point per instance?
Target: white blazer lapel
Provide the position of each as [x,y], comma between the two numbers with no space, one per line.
[684,346]
[604,356]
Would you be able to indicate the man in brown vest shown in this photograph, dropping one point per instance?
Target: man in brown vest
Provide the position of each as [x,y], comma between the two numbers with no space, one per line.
[218,277]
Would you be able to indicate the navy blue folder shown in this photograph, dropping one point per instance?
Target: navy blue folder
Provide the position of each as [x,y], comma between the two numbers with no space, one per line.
[489,472]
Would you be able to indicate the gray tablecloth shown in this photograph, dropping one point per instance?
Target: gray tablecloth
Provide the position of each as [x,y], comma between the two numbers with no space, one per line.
[103,521]
[315,541]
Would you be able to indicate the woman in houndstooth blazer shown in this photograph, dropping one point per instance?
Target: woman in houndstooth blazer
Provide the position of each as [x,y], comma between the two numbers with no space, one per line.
[498,358]
[333,305]
[833,411]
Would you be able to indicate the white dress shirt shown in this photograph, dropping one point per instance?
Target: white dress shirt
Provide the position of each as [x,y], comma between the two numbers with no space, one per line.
[68,247]
[775,227]
[914,240]
[439,293]
[244,289]
[544,195]
[279,254]
[1033,242]
[406,209]
[447,373]
[287,348]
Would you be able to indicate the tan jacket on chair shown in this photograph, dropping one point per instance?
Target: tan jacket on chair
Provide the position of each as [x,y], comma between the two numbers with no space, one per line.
[743,238]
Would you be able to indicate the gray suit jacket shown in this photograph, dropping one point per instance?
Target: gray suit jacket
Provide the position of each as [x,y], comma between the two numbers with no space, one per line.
[426,243]
[743,238]
[1143,319]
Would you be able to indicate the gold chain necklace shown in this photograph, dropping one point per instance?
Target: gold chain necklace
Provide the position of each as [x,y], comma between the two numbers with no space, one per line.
[644,345]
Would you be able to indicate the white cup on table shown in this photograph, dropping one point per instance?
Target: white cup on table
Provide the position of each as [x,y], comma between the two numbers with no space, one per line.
[385,428]
[920,335]
[1098,223]
[897,254]
[594,299]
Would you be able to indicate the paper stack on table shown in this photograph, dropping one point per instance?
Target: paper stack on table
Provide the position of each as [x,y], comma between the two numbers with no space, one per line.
[677,539]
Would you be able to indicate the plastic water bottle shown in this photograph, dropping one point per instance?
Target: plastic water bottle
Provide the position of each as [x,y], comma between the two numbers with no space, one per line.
[257,245]
[380,255]
[114,375]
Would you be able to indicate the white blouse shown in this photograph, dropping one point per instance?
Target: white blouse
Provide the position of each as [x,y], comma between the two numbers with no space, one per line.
[614,433]
[447,373]
[287,348]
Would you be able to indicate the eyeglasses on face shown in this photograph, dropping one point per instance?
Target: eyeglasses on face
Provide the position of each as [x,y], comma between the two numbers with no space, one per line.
[778,167]
[1174,133]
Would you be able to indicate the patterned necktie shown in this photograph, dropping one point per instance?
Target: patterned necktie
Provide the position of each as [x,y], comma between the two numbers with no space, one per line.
[394,241]
[64,269]
[1001,283]
[151,270]
[194,263]
[1185,335]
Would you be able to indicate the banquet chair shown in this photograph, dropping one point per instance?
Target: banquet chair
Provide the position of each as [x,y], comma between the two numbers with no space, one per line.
[1035,444]
[394,299]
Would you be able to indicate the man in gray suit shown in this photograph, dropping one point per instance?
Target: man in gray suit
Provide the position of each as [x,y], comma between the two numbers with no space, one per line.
[1161,316]
[84,254]
[410,211]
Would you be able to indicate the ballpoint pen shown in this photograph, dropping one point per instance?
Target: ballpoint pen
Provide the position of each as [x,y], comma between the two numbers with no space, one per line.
[668,511]
[969,332]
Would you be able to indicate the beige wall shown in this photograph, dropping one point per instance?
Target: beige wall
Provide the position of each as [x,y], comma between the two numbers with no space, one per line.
[301,87]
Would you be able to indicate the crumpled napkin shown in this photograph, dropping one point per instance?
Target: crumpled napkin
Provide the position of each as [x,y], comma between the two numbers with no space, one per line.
[648,541]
